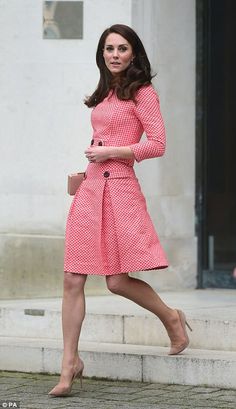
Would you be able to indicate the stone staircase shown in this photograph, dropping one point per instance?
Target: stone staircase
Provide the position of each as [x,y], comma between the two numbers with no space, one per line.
[120,340]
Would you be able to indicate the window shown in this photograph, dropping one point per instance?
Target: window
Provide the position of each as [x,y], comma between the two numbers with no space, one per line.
[62,20]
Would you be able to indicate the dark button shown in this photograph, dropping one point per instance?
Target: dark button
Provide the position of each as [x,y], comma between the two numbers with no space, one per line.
[106,174]
[92,141]
[100,143]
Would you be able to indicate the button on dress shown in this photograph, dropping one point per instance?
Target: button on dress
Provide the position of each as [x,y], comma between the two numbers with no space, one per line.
[109,230]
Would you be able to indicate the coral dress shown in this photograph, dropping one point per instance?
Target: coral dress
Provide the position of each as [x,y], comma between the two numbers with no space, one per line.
[109,230]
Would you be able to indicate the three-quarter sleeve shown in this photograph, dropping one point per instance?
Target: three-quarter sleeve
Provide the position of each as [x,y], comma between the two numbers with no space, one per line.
[148,112]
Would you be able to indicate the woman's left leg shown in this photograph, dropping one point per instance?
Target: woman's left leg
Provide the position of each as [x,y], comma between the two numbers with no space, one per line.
[143,294]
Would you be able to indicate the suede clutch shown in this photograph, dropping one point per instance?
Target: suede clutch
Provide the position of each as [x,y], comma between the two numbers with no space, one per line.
[74,182]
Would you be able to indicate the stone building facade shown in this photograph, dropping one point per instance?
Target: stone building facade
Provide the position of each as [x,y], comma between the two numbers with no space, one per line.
[45,128]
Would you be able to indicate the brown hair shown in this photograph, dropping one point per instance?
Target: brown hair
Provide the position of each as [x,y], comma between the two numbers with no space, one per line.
[135,76]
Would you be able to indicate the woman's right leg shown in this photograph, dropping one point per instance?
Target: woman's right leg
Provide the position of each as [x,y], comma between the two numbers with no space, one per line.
[73,313]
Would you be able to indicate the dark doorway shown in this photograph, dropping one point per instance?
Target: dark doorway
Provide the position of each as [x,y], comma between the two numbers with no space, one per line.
[216,143]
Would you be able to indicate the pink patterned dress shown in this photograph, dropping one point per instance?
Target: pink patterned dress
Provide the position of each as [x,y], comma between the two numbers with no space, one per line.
[109,230]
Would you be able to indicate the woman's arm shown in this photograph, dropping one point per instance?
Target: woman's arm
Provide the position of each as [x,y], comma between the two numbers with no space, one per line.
[149,114]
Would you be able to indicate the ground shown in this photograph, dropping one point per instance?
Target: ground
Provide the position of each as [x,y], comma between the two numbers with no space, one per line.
[29,391]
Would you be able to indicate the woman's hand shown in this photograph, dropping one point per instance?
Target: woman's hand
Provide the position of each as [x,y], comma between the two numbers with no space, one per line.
[98,153]
[103,153]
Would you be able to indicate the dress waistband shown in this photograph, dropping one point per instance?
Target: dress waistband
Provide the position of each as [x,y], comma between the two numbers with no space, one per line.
[95,172]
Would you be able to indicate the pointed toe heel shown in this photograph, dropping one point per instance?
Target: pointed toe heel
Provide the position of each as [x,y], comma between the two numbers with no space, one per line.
[58,391]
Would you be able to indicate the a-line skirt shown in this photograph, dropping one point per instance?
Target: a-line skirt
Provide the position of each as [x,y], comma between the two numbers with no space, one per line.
[109,230]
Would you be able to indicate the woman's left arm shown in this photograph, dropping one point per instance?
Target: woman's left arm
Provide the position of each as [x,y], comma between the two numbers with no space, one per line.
[149,114]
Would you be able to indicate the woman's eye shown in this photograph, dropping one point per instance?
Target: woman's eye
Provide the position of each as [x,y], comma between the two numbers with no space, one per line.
[122,49]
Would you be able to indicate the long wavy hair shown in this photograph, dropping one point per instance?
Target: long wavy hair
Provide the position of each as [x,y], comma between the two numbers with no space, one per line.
[135,76]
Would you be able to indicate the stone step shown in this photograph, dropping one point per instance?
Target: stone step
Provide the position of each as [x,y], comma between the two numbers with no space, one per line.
[123,362]
[113,320]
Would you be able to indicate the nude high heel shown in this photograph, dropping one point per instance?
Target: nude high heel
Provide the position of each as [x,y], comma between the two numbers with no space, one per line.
[65,391]
[177,348]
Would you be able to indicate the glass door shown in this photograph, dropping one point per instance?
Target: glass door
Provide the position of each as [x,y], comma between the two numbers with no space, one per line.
[217,202]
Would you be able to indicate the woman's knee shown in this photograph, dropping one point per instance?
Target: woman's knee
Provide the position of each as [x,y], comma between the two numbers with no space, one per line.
[116,283]
[74,281]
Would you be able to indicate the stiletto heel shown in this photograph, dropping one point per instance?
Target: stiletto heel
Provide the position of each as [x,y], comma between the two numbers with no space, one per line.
[176,349]
[80,376]
[65,391]
[186,322]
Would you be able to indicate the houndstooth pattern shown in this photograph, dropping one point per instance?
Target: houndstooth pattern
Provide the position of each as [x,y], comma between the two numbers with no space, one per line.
[109,230]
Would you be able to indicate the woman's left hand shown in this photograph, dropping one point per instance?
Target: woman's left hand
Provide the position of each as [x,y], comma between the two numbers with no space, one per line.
[98,153]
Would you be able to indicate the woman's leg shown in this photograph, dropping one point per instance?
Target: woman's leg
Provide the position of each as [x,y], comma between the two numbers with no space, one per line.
[73,313]
[143,294]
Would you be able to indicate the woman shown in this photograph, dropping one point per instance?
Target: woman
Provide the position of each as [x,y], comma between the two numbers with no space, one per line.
[109,231]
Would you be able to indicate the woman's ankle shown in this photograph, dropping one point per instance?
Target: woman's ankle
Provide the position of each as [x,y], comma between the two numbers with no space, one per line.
[170,319]
[68,361]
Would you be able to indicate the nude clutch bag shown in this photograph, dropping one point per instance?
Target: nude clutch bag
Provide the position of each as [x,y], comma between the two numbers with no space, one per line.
[74,182]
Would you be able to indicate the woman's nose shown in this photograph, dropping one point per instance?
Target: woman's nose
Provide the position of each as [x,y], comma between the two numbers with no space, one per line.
[115,53]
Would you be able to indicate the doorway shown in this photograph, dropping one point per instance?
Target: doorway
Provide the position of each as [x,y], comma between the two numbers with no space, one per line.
[216,143]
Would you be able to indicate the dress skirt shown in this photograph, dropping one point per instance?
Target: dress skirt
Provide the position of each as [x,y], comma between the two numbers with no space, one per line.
[109,230]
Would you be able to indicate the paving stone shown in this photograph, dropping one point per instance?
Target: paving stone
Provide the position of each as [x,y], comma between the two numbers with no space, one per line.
[178,388]
[229,396]
[121,389]
[201,389]
[206,395]
[150,392]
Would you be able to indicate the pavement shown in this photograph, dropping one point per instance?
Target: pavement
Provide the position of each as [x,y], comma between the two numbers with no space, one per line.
[29,391]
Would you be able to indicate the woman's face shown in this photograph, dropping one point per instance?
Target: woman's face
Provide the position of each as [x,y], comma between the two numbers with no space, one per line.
[117,53]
